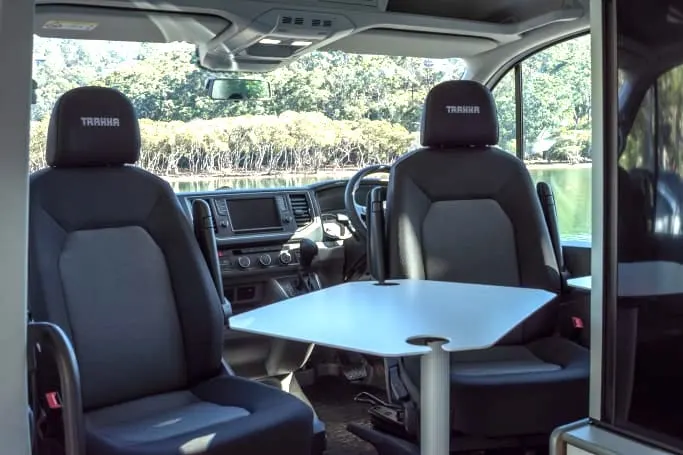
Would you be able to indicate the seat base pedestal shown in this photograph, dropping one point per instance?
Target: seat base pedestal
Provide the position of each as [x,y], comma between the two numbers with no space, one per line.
[388,444]
[384,443]
[319,437]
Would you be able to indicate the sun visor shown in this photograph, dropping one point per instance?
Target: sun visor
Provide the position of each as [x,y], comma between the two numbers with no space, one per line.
[95,23]
[412,44]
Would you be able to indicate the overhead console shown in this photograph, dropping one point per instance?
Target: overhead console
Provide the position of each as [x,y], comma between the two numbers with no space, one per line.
[279,35]
[267,35]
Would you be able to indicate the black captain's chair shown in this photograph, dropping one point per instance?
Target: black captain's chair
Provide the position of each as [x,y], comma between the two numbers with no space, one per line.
[460,209]
[113,262]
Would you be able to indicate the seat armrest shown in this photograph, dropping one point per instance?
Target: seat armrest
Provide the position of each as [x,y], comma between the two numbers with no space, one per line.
[377,253]
[546,198]
[46,334]
[205,233]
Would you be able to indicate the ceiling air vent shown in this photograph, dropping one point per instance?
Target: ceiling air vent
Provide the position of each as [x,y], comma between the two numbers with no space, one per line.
[298,20]
[321,22]
[301,209]
[317,24]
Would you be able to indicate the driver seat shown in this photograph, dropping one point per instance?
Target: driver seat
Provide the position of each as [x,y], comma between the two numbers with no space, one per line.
[461,209]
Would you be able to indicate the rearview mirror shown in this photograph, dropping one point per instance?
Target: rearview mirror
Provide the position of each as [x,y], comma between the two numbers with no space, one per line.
[238,89]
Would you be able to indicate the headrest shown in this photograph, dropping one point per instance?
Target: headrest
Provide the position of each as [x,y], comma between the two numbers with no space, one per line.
[92,126]
[457,114]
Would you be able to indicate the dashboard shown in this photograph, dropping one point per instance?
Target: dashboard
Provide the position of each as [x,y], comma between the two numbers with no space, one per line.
[259,237]
[258,231]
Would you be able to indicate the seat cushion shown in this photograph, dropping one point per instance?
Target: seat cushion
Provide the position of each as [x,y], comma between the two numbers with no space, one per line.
[515,390]
[225,415]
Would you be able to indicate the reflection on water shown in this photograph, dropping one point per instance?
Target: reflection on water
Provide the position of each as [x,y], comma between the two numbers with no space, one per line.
[572,187]
[210,184]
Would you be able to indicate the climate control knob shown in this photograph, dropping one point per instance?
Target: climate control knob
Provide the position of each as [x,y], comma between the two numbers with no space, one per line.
[285,258]
[244,261]
[265,260]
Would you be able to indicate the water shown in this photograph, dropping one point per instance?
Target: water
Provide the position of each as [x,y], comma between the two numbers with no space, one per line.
[571,185]
[572,189]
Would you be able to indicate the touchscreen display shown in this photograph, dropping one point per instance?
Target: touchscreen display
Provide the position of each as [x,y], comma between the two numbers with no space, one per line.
[253,214]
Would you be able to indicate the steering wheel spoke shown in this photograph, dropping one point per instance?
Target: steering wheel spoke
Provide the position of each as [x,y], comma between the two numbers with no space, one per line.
[361,210]
[356,212]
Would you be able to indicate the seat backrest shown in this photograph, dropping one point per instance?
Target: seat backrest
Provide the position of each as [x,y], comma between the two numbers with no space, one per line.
[460,209]
[113,260]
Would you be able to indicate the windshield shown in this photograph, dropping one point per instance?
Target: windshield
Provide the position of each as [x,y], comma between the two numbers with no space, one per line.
[329,113]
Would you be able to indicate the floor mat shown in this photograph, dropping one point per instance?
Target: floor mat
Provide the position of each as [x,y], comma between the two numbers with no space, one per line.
[333,401]
[332,398]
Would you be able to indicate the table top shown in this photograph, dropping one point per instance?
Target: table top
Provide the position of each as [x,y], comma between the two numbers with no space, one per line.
[379,319]
[642,279]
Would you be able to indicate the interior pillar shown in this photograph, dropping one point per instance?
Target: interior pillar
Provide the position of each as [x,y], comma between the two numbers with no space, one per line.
[16,49]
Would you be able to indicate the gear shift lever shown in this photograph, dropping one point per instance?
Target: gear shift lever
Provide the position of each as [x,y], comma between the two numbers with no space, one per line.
[308,250]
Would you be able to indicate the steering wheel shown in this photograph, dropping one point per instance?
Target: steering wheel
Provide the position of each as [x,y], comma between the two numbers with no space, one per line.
[355,211]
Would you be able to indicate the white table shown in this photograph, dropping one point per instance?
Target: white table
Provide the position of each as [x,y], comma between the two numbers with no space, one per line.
[414,317]
[642,279]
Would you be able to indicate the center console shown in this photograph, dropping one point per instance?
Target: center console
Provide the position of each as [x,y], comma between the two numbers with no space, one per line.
[273,273]
[258,235]
[260,230]
[236,261]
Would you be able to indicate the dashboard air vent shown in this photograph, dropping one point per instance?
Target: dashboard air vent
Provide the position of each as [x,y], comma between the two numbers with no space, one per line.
[301,209]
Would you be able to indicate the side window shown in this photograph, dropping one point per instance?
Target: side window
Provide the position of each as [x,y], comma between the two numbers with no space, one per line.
[555,126]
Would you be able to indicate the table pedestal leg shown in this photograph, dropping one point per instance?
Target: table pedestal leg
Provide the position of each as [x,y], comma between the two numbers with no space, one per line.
[435,391]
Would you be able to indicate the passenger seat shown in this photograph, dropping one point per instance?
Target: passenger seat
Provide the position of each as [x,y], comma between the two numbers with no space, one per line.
[114,263]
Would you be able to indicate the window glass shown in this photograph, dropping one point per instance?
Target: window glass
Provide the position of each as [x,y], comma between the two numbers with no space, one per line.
[330,113]
[648,341]
[557,129]
[557,103]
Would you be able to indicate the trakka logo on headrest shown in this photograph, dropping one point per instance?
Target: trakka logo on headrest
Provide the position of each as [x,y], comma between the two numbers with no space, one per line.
[463,110]
[109,122]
